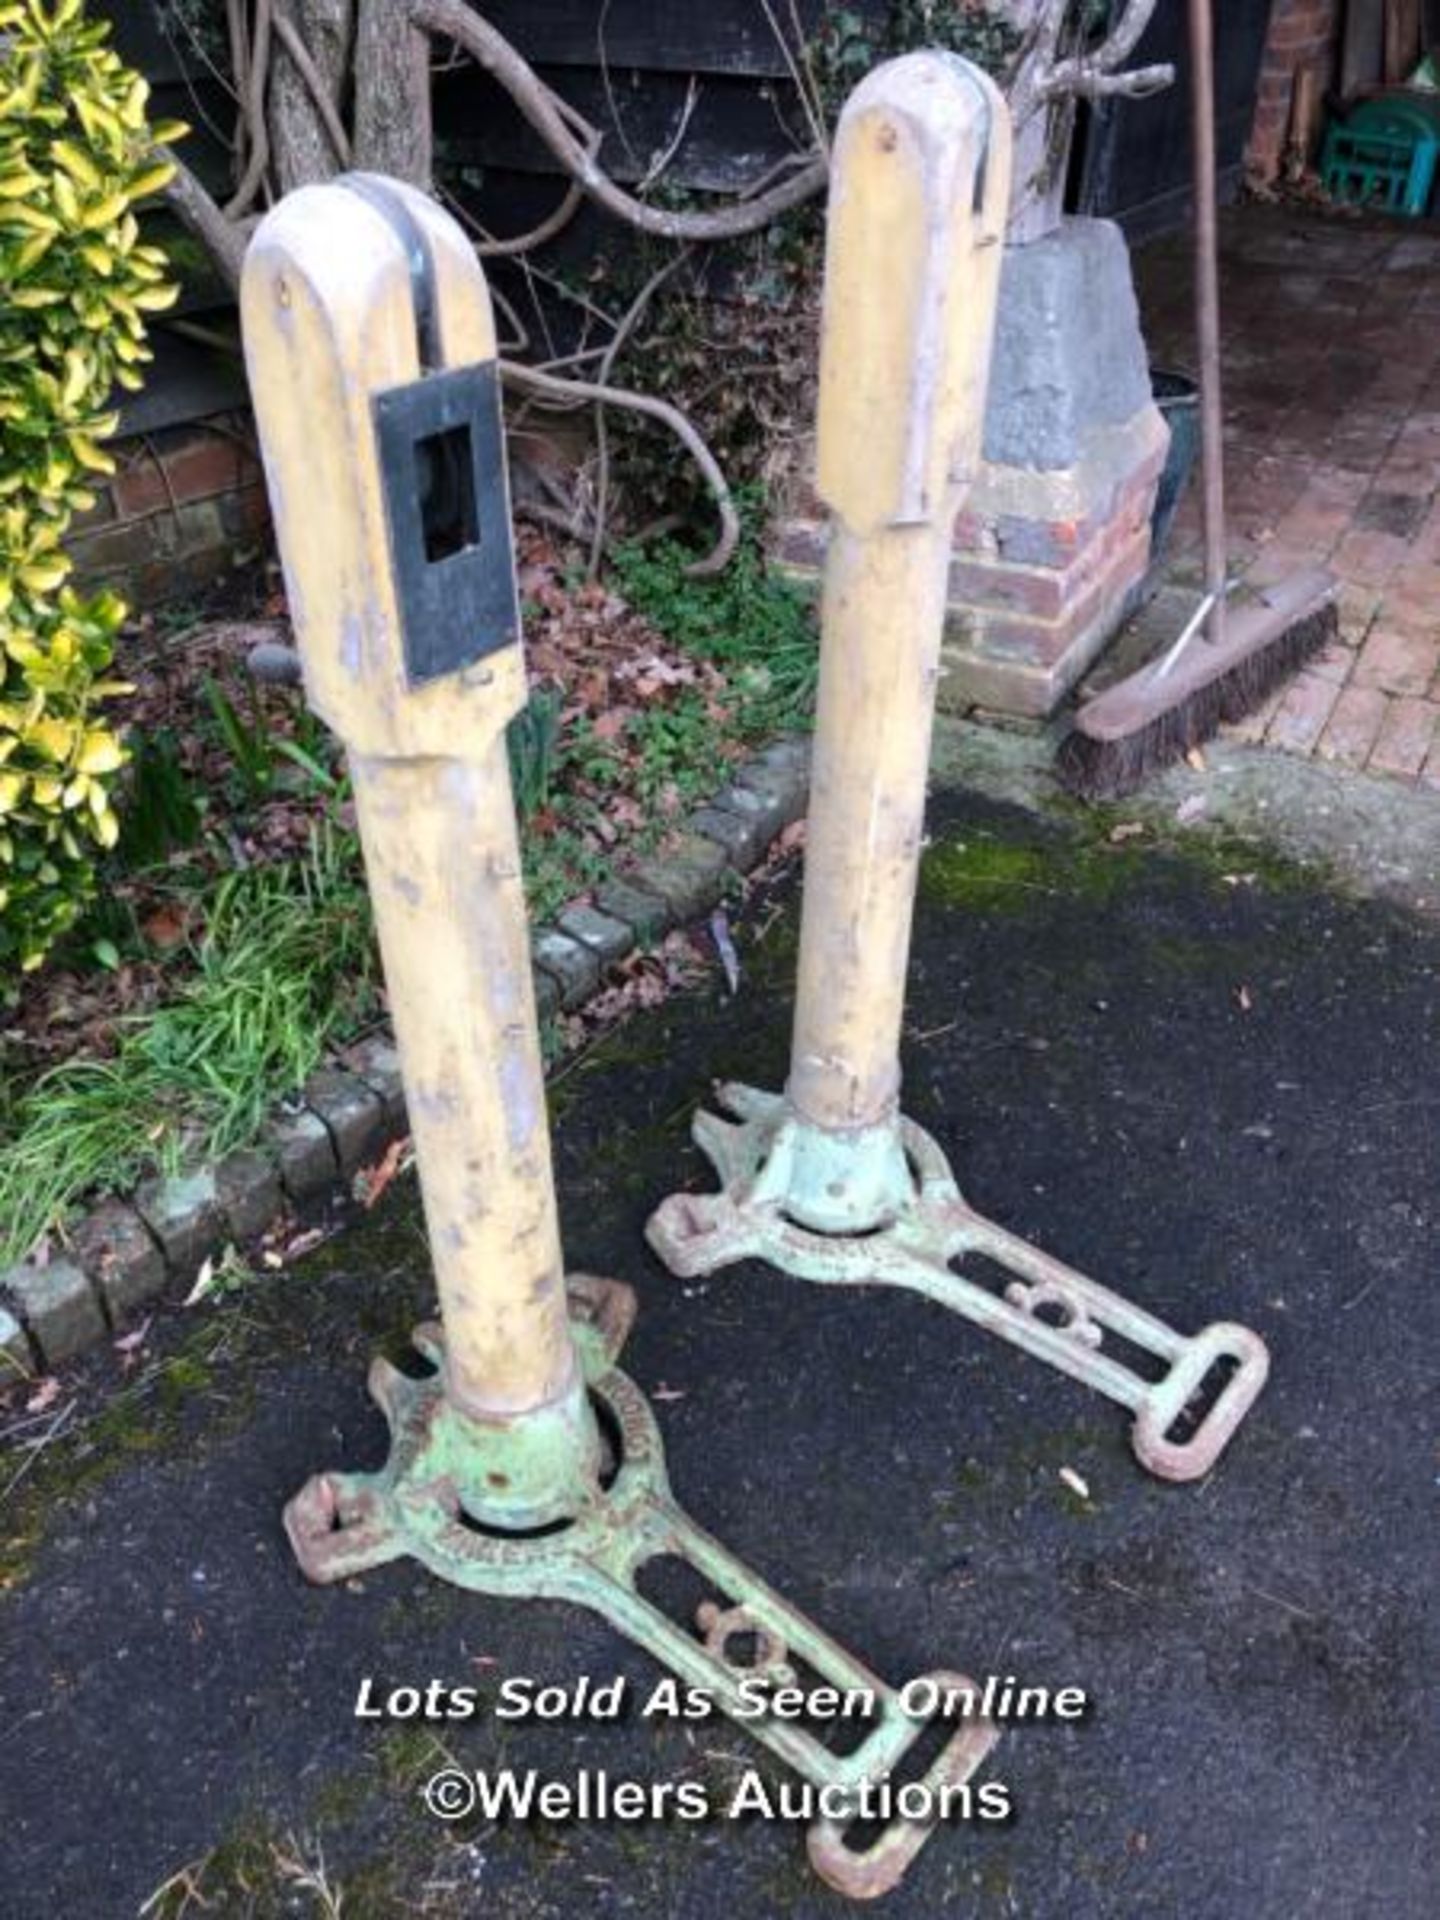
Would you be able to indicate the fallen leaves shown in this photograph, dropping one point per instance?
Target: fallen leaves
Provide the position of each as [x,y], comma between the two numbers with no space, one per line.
[46,1393]
[370,1182]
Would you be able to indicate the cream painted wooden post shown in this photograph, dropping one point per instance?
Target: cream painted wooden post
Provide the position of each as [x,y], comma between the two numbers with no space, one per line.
[329,322]
[829,1181]
[918,200]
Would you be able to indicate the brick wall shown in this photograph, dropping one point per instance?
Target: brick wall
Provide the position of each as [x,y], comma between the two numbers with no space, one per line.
[1302,33]
[184,506]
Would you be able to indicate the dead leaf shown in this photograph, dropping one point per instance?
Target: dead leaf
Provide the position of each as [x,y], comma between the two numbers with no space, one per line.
[45,1395]
[791,837]
[1243,999]
[204,1285]
[1126,830]
[725,947]
[1195,760]
[371,1182]
[132,1342]
[167,926]
[1079,1487]
[1191,808]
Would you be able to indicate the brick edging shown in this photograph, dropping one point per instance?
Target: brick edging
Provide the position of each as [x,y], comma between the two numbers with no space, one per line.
[129,1253]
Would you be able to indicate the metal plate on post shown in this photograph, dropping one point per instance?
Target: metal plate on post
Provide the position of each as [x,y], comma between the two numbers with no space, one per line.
[442,465]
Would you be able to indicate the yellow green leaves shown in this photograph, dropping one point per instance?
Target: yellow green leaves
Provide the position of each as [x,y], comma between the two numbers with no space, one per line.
[76,157]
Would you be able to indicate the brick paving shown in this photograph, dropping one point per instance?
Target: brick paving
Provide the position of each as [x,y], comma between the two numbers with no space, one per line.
[1332,439]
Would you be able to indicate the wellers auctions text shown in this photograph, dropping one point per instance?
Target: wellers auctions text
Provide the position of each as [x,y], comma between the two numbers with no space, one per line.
[511,1794]
[754,1697]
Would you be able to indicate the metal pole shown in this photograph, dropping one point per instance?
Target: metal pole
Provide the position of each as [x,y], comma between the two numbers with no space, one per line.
[1207,313]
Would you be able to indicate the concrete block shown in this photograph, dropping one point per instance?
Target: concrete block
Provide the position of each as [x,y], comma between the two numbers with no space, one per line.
[645,912]
[184,1215]
[608,939]
[351,1111]
[305,1151]
[17,1361]
[781,793]
[114,1248]
[574,966]
[689,875]
[57,1306]
[736,834]
[377,1061]
[247,1186]
[547,994]
[1069,355]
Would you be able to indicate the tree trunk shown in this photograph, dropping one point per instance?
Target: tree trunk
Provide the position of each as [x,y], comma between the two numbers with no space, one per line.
[1042,140]
[392,93]
[303,147]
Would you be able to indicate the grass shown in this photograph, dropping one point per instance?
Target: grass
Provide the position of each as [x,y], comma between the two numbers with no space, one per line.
[284,967]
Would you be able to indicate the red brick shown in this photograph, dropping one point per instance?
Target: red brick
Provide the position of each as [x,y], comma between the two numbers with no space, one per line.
[1370,558]
[1413,596]
[1354,722]
[1305,706]
[205,464]
[1334,664]
[1405,736]
[1398,659]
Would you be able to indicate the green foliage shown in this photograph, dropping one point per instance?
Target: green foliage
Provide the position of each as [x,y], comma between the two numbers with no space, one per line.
[258,748]
[76,153]
[162,809]
[284,968]
[754,624]
[531,740]
[847,44]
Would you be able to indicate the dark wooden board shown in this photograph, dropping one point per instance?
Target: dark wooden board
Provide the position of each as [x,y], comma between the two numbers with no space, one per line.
[1134,161]
[688,36]
[1362,46]
[734,132]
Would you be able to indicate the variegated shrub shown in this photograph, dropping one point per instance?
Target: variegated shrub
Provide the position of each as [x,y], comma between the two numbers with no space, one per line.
[76,282]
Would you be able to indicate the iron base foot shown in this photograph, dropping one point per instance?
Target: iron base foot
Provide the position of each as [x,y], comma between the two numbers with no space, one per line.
[923,1243]
[434,1501]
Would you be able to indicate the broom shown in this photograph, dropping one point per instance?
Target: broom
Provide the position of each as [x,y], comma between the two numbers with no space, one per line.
[1223,664]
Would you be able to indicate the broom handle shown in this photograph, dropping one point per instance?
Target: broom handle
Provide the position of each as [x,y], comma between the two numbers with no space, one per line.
[1207,312]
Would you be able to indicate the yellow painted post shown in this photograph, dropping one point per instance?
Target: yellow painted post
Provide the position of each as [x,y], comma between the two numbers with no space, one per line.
[921,187]
[372,364]
[829,1181]
[326,329]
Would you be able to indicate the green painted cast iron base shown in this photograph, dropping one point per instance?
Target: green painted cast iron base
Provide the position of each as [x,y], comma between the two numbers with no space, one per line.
[921,1237]
[437,1501]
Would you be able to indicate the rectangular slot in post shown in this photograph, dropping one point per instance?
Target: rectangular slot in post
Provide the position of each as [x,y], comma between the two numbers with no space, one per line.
[445,481]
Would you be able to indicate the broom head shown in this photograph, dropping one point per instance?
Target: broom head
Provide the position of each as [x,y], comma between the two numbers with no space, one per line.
[1150,720]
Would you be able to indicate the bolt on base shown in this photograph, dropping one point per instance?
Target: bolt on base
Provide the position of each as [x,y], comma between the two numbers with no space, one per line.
[777,1173]
[441,1498]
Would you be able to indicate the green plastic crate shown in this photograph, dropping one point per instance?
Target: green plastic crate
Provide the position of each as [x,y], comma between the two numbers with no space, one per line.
[1384,155]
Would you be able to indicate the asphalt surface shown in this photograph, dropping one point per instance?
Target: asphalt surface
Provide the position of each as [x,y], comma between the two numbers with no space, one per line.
[1215,1092]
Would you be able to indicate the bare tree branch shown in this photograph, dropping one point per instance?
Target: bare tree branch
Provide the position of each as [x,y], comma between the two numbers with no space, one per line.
[571,393]
[223,239]
[453,20]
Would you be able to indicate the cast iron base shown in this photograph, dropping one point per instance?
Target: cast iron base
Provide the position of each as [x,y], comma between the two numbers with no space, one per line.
[923,1242]
[434,1500]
